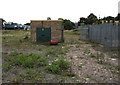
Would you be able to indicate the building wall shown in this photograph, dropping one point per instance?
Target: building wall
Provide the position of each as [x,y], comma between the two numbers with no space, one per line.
[55,26]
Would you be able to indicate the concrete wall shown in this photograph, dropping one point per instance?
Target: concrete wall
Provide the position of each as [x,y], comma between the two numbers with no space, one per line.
[55,25]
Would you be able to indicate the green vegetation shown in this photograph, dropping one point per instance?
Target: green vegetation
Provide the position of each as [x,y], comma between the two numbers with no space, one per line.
[68,25]
[55,51]
[58,66]
[29,74]
[114,56]
[92,55]
[34,62]
[71,74]
[6,66]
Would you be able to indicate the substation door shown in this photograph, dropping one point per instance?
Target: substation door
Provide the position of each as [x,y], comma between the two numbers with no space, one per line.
[43,34]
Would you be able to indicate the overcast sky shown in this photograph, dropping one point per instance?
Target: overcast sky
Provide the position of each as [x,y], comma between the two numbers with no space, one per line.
[22,11]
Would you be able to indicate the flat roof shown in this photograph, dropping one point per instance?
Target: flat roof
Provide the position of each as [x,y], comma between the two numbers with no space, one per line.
[46,20]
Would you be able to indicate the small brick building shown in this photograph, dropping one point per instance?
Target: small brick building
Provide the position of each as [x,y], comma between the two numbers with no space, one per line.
[46,30]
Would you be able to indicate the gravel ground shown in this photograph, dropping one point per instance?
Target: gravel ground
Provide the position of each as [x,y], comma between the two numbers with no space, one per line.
[88,69]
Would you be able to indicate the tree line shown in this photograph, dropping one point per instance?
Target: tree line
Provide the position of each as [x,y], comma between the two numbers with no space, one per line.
[92,19]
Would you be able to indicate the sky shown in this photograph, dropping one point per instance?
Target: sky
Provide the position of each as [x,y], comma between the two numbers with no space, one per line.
[22,11]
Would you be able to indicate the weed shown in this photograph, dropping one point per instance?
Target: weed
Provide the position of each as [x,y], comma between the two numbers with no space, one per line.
[92,55]
[114,56]
[41,61]
[6,66]
[62,63]
[28,75]
[14,53]
[55,51]
[53,68]
[58,66]
[30,60]
[26,37]
[71,75]
[86,51]
[39,49]
[100,58]
[118,67]
[74,30]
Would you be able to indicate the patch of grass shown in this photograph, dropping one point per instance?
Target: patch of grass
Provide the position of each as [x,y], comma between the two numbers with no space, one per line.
[6,66]
[94,44]
[100,58]
[114,56]
[14,53]
[71,75]
[86,51]
[55,51]
[26,60]
[92,55]
[39,49]
[53,69]
[58,66]
[33,75]
[28,75]
[30,60]
[118,67]
[41,61]
[71,34]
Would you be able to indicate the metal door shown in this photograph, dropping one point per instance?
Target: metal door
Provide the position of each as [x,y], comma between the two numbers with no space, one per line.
[43,34]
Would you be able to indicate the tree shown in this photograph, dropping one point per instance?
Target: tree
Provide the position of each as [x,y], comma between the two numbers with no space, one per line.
[91,19]
[81,21]
[109,18]
[68,25]
[118,17]
[60,19]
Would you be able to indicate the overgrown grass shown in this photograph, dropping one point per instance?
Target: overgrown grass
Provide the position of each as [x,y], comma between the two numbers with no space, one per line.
[6,66]
[32,75]
[25,61]
[92,55]
[114,56]
[71,34]
[58,66]
[55,51]
[31,60]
